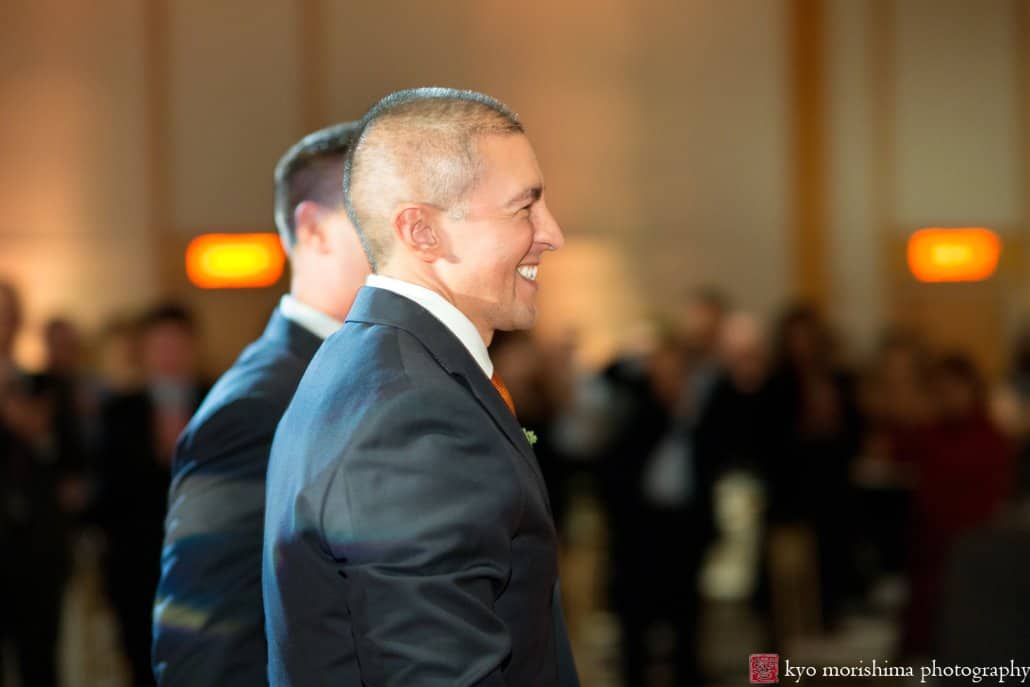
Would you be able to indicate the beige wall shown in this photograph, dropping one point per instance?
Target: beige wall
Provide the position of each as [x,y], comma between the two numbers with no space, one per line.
[928,127]
[660,127]
[853,212]
[74,233]
[957,130]
[234,105]
[664,130]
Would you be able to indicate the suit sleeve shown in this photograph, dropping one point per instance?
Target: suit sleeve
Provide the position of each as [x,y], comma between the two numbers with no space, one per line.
[209,549]
[419,518]
[226,441]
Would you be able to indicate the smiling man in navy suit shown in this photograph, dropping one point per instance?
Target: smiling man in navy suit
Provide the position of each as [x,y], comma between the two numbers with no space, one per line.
[408,536]
[208,616]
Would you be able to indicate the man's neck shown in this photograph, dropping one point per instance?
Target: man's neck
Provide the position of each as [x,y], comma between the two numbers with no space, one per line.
[432,283]
[316,298]
[426,281]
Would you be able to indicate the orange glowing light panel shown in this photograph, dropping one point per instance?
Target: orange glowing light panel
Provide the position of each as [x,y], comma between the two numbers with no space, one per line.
[942,255]
[234,261]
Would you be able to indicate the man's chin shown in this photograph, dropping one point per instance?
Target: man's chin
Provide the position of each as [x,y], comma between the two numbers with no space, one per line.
[520,322]
[526,322]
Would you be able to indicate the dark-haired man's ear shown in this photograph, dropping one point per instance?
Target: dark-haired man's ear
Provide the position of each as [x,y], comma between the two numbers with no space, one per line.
[307,218]
[415,230]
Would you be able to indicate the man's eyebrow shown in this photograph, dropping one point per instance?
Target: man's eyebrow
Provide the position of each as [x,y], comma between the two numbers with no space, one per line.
[531,194]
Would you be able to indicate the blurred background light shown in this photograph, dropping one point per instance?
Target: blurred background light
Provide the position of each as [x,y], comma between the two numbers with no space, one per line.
[953,255]
[234,261]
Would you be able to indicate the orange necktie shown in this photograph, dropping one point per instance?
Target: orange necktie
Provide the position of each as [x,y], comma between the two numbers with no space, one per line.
[503,391]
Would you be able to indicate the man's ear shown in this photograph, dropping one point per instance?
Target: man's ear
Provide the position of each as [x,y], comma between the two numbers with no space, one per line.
[416,229]
[307,218]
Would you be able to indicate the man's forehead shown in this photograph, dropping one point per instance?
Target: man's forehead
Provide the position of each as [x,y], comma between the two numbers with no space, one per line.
[506,146]
[508,166]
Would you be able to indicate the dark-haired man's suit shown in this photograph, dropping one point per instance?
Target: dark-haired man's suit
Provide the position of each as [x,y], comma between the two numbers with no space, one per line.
[408,537]
[208,617]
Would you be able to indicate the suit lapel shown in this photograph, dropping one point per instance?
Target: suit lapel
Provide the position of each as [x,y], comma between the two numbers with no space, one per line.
[379,306]
[488,397]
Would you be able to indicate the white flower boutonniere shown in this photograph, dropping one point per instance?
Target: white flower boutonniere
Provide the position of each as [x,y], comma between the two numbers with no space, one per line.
[530,436]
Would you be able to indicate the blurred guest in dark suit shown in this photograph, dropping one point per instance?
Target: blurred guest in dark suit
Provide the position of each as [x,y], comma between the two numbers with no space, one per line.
[734,429]
[658,487]
[137,438]
[209,623]
[1010,405]
[964,471]
[817,432]
[76,406]
[10,324]
[700,330]
[63,375]
[33,530]
[894,401]
[659,499]
[119,368]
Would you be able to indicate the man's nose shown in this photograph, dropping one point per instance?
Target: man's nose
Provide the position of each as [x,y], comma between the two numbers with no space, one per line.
[548,230]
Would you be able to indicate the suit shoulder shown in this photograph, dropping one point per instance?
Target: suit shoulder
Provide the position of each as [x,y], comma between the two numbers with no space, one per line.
[228,431]
[371,385]
[241,411]
[264,372]
[369,358]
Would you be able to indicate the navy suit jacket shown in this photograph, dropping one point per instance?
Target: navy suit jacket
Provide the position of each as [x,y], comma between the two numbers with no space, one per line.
[408,537]
[208,616]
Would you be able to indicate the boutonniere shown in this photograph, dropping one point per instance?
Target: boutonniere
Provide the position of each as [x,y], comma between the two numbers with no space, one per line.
[530,436]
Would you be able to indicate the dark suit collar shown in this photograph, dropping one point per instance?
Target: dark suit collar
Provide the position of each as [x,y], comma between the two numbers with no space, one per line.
[379,306]
[298,340]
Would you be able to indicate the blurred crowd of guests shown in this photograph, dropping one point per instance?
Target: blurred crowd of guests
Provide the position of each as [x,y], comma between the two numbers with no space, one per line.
[87,448]
[857,471]
[718,436]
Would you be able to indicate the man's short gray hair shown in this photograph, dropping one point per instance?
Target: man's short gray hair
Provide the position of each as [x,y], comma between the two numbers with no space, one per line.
[417,146]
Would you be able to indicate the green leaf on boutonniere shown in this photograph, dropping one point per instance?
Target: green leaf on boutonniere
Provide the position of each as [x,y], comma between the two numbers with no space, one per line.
[530,436]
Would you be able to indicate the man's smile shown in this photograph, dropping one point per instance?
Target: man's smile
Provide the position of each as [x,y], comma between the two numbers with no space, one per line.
[527,272]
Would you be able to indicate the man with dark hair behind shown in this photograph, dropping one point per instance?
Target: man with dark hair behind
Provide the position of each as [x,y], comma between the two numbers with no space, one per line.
[208,614]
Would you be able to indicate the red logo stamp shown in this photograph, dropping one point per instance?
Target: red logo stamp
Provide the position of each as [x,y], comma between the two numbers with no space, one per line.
[765,669]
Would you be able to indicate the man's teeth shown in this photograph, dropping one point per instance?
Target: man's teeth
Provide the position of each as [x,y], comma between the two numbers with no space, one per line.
[527,271]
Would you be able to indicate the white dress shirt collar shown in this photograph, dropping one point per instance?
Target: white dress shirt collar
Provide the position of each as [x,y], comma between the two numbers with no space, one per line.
[312,319]
[440,308]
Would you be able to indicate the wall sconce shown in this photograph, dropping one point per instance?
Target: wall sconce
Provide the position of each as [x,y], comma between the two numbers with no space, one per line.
[953,255]
[234,261]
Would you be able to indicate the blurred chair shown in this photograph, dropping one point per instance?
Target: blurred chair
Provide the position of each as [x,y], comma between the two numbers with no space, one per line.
[984,618]
[732,564]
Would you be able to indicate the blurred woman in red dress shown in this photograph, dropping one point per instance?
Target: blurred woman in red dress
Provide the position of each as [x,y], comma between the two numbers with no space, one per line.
[964,472]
